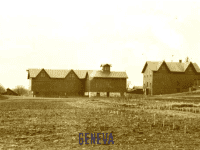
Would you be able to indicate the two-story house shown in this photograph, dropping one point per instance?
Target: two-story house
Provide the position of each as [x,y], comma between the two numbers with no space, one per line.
[169,77]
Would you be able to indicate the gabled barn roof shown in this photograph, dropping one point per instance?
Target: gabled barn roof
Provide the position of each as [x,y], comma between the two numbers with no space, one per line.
[55,73]
[172,66]
[32,73]
[113,74]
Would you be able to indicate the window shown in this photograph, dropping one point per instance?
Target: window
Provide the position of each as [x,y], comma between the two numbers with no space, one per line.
[42,74]
[147,84]
[71,76]
[106,68]
[150,85]
[178,83]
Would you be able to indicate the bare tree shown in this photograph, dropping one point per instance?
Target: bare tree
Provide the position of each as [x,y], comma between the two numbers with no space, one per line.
[20,90]
[2,89]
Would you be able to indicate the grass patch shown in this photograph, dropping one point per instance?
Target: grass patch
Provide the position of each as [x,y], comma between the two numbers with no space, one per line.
[56,124]
[2,97]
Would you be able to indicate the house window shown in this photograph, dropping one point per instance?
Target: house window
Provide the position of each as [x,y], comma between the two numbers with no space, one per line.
[147,84]
[150,85]
[178,83]
[42,74]
[163,68]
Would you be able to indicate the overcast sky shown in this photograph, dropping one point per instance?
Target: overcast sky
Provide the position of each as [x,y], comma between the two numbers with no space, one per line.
[82,34]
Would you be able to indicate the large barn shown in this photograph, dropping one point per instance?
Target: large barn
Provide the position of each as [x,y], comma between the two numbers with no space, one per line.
[63,83]
[169,77]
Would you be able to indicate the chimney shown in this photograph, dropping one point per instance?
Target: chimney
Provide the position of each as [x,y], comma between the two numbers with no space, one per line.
[180,61]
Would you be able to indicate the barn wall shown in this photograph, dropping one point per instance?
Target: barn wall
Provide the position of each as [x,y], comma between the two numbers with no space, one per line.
[107,85]
[44,86]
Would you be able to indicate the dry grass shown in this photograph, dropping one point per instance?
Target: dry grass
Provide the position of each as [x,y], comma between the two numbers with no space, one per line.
[2,97]
[56,124]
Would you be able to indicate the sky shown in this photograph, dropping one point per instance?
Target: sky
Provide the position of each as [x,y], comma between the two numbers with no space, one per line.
[82,35]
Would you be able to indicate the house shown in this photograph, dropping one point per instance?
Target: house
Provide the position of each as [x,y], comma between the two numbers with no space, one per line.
[169,77]
[62,83]
[10,92]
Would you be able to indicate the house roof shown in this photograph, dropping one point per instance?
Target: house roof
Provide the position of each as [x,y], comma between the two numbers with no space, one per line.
[113,74]
[172,66]
[32,73]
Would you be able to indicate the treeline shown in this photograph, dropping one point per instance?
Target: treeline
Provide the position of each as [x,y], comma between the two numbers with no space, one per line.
[21,90]
[2,89]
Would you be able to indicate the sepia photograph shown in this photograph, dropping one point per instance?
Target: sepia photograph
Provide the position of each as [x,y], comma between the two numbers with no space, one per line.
[102,75]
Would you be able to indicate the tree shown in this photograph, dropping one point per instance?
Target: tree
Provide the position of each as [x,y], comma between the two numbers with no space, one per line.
[2,89]
[20,90]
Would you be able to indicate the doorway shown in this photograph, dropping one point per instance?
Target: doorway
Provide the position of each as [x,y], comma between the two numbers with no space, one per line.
[147,91]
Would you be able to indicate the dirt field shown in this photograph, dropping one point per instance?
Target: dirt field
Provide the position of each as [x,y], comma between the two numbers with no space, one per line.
[135,123]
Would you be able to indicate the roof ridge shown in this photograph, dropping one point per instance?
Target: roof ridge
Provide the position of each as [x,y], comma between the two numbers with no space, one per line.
[172,66]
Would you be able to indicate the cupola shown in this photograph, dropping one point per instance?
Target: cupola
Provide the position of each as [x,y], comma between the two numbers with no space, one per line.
[106,67]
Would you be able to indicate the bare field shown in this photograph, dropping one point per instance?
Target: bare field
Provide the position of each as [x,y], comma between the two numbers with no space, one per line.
[135,123]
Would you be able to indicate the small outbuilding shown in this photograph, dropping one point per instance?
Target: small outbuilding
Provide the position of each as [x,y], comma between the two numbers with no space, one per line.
[136,90]
[10,92]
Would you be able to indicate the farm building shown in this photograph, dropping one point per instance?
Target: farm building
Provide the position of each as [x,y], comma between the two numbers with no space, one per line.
[169,77]
[136,90]
[10,92]
[62,83]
